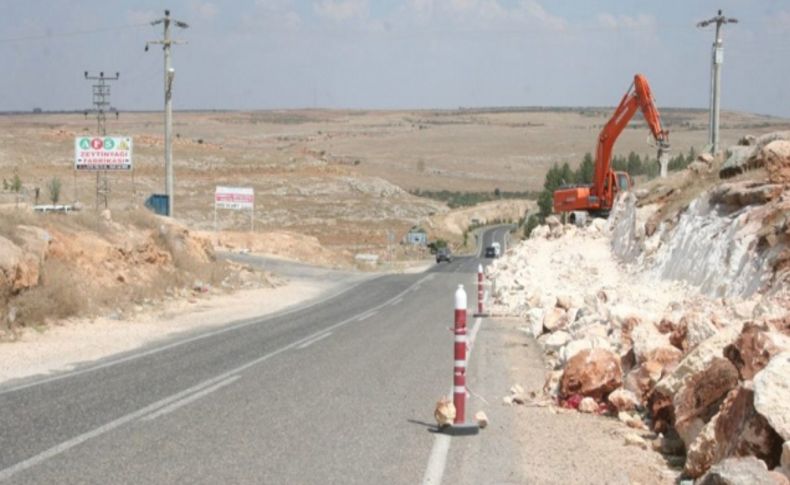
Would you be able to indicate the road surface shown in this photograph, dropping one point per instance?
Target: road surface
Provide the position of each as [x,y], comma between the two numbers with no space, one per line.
[340,391]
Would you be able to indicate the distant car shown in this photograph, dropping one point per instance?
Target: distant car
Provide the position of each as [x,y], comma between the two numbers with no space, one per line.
[491,252]
[443,254]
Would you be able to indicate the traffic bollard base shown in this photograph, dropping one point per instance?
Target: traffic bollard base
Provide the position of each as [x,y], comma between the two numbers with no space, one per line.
[462,429]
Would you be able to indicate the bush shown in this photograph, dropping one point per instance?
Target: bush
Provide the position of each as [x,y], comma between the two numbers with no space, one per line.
[436,245]
[532,222]
[54,190]
[57,296]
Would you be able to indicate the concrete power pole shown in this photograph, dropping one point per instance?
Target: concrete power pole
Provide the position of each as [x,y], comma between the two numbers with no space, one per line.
[717,59]
[167,42]
[101,103]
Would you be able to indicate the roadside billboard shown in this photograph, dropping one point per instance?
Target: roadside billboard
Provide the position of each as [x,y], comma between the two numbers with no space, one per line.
[94,153]
[234,198]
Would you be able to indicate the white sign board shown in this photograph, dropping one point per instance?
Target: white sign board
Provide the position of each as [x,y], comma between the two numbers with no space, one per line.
[93,153]
[235,198]
[718,56]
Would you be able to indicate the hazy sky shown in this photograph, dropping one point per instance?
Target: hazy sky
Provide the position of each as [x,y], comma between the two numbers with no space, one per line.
[258,54]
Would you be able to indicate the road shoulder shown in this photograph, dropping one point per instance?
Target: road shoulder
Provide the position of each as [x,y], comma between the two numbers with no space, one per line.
[534,444]
[69,344]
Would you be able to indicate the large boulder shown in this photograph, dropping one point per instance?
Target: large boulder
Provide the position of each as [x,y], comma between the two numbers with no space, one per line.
[623,400]
[18,269]
[554,319]
[573,347]
[535,321]
[772,393]
[646,338]
[591,373]
[737,430]
[698,359]
[699,396]
[662,396]
[776,158]
[690,331]
[754,348]
[739,471]
[642,379]
[556,340]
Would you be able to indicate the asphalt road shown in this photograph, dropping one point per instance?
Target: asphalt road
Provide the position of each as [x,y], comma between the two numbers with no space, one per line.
[339,391]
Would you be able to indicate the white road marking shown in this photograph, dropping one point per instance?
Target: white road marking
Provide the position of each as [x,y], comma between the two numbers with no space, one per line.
[397,302]
[242,324]
[66,445]
[78,440]
[194,397]
[437,461]
[312,341]
[366,316]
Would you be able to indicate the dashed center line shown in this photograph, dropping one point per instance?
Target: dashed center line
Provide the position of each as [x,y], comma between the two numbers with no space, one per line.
[194,397]
[314,340]
[366,316]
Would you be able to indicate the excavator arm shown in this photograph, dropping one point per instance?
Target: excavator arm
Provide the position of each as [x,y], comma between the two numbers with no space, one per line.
[639,96]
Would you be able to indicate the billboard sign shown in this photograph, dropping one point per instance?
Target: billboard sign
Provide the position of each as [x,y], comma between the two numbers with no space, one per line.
[234,198]
[92,153]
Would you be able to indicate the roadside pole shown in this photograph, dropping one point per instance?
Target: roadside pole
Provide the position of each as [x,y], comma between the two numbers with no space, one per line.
[167,42]
[460,426]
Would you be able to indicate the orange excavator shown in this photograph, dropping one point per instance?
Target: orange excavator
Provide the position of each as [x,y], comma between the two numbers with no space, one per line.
[597,199]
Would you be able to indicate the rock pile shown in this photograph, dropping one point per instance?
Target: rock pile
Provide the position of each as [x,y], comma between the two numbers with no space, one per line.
[709,375]
[63,269]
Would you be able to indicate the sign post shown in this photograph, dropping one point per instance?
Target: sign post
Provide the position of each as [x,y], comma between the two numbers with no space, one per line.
[235,198]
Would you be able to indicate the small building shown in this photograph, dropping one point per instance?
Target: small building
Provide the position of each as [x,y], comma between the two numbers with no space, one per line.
[417,236]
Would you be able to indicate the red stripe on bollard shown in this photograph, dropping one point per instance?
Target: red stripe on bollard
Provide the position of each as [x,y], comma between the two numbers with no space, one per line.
[459,368]
[480,289]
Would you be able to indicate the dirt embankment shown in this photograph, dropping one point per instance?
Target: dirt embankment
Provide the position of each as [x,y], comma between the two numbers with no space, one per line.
[454,223]
[61,265]
[673,317]
[281,244]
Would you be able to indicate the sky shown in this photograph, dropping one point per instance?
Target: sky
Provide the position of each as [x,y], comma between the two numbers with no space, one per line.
[390,54]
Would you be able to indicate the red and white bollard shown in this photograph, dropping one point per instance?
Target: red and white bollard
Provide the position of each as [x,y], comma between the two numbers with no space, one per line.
[480,292]
[459,368]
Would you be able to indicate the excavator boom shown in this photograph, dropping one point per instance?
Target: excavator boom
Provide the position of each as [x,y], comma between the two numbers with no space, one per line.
[600,196]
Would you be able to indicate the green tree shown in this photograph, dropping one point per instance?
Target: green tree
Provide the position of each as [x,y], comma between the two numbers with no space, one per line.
[566,175]
[585,172]
[16,183]
[692,155]
[634,164]
[619,164]
[54,190]
[532,222]
[552,181]
[16,187]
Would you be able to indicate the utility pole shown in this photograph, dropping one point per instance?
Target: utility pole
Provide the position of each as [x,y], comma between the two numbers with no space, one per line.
[101,103]
[717,59]
[170,73]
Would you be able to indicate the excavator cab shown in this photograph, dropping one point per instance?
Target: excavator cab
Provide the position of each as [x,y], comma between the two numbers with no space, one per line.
[623,181]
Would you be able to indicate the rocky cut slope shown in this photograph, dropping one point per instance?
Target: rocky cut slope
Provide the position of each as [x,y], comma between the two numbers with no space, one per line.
[675,321]
[56,266]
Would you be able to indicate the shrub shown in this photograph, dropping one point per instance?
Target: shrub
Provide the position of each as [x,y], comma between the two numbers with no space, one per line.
[54,190]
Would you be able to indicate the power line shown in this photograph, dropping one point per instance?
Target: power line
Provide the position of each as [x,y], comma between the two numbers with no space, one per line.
[70,34]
